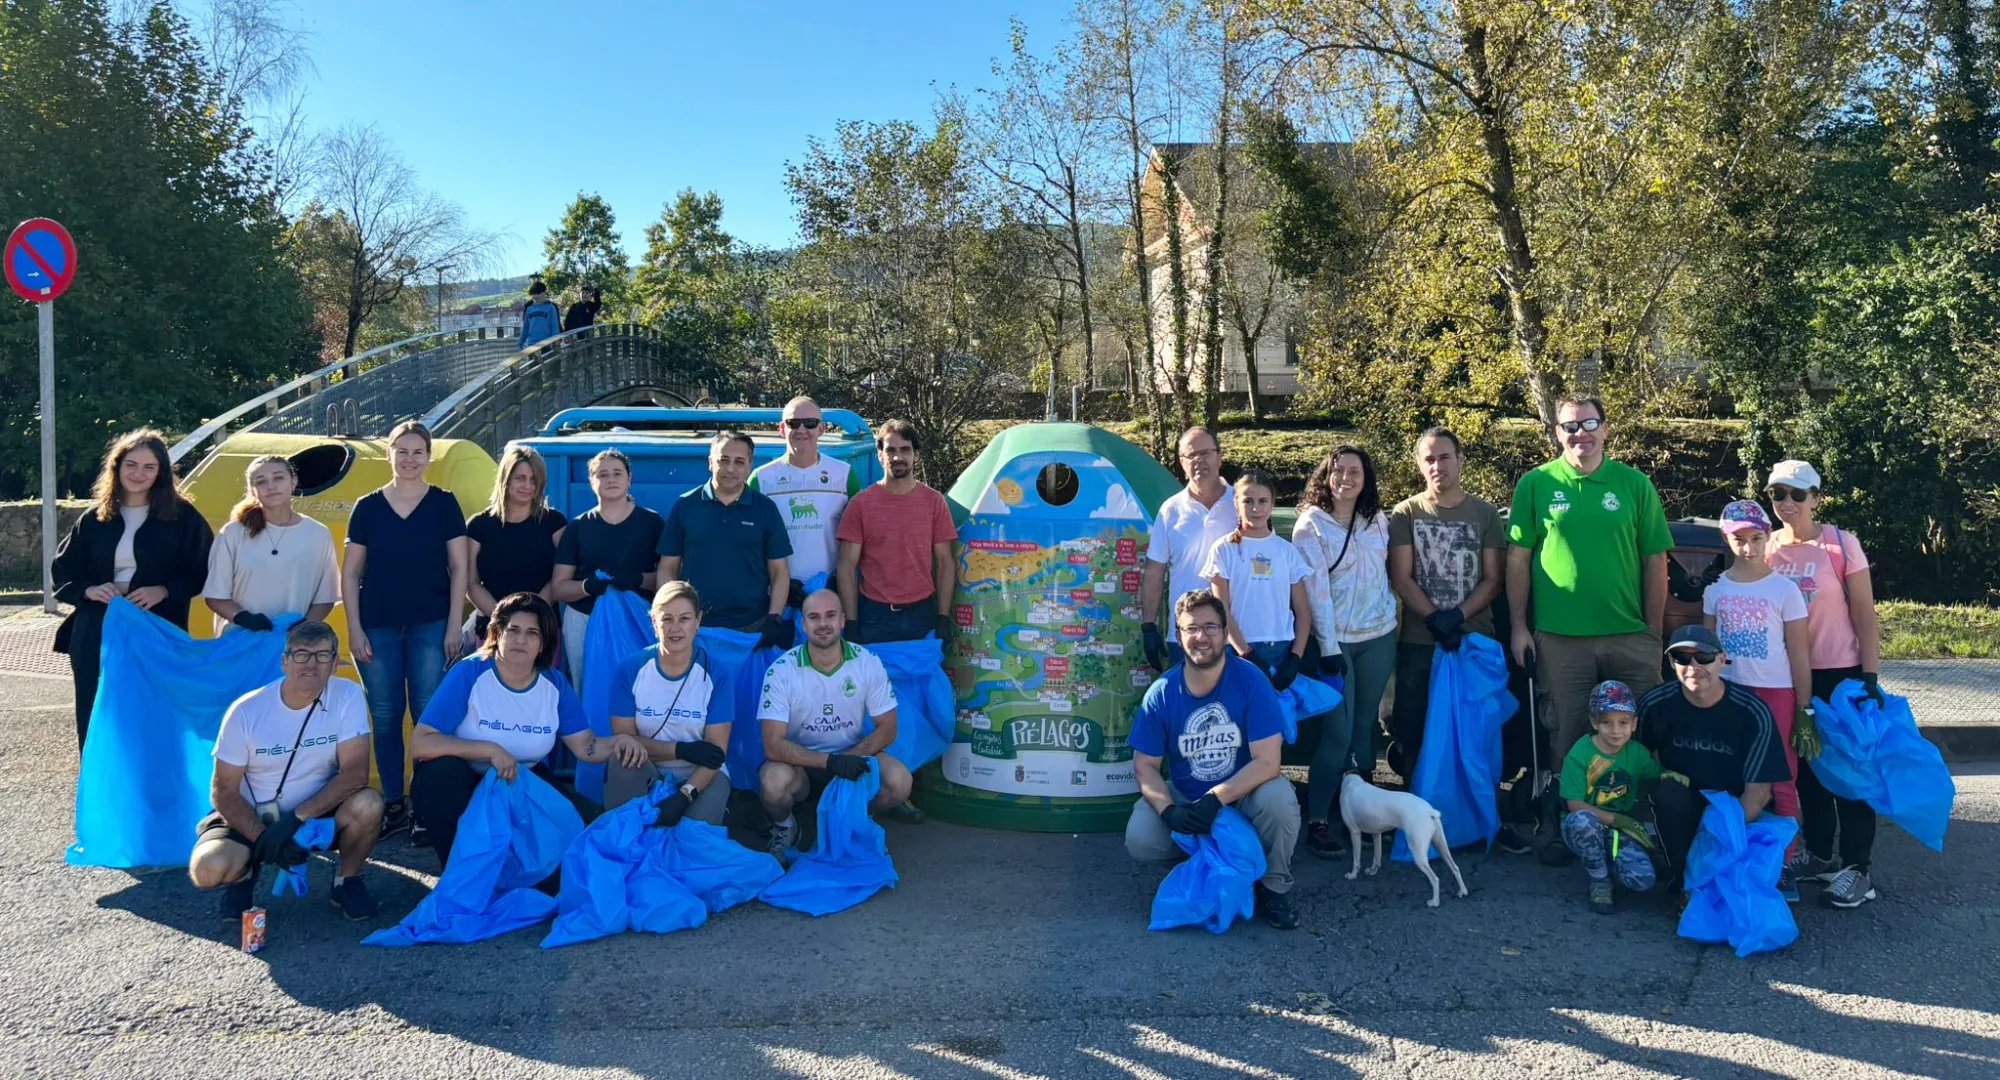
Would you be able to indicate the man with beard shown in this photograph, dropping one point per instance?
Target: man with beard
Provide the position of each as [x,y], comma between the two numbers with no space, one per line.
[896,566]
[1206,736]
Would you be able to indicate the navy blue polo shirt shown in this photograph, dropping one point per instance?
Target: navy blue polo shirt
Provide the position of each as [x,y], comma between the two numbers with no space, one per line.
[723,551]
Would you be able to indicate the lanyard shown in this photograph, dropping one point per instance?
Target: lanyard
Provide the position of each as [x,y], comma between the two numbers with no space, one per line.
[685,680]
[297,740]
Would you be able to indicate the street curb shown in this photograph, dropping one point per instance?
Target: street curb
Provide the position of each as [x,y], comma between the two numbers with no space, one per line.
[1961,743]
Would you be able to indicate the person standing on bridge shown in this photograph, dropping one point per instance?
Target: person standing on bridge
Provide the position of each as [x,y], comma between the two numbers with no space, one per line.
[271,559]
[540,319]
[811,491]
[897,568]
[140,539]
[589,301]
[609,545]
[729,542]
[512,543]
[403,579]
[1184,532]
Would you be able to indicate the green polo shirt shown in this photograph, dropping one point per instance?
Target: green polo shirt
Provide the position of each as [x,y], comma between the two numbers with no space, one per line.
[1588,534]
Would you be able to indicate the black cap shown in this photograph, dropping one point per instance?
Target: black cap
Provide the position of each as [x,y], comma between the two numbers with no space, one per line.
[1695,635]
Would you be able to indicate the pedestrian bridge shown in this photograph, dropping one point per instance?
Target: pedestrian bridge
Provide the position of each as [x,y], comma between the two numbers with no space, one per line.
[472,384]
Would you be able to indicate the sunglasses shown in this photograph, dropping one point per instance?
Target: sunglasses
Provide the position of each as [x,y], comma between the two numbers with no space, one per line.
[1780,494]
[809,423]
[1690,658]
[1571,427]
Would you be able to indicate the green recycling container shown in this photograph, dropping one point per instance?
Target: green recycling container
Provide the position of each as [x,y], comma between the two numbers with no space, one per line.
[1047,664]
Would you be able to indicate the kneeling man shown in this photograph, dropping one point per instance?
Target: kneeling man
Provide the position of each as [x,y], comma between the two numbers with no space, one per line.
[287,753]
[1206,736]
[817,699]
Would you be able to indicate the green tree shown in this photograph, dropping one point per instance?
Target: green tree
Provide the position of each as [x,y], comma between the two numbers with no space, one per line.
[181,304]
[584,251]
[694,284]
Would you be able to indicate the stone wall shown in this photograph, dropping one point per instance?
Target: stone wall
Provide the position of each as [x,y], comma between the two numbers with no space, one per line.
[21,538]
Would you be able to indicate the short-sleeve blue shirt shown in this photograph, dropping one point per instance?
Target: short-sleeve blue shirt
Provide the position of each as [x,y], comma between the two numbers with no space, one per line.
[1206,740]
[472,703]
[724,549]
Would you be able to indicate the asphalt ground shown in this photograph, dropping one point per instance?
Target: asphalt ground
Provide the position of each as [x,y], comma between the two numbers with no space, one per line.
[999,955]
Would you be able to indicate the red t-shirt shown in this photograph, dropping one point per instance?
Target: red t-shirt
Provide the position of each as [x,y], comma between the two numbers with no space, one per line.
[896,534]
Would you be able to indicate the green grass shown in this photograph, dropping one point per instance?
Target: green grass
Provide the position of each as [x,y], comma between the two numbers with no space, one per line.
[1912,631]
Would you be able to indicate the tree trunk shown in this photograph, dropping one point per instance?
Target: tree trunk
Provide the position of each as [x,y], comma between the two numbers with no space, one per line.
[1211,368]
[1142,271]
[1088,376]
[1250,372]
[1177,292]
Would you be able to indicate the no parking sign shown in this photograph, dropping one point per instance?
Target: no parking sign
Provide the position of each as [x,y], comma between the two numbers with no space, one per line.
[39,260]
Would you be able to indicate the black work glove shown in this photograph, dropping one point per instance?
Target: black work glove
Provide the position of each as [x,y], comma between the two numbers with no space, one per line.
[1871,686]
[1178,818]
[777,633]
[1336,664]
[700,753]
[945,625]
[1445,622]
[1450,642]
[672,809]
[595,586]
[796,598]
[630,580]
[1202,813]
[846,766]
[1287,671]
[1155,646]
[250,620]
[274,845]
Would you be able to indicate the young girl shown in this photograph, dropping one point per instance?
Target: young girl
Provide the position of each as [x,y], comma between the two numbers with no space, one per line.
[1830,568]
[1262,580]
[1760,618]
[1600,787]
[270,559]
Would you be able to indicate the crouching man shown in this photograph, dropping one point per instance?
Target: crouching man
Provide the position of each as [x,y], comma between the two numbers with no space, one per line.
[287,753]
[1207,736]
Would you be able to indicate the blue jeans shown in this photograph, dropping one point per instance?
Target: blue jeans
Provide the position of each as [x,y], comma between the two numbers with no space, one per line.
[408,665]
[1591,840]
[881,622]
[1267,655]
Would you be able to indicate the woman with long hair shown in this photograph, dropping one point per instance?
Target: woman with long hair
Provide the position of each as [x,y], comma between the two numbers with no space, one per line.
[499,709]
[141,540]
[270,559]
[403,580]
[1344,537]
[612,544]
[513,541]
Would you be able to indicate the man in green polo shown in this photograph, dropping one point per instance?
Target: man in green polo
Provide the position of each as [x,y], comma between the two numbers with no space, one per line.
[1589,547]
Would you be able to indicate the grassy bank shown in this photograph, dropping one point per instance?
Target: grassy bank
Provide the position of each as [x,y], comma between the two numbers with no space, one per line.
[1939,631]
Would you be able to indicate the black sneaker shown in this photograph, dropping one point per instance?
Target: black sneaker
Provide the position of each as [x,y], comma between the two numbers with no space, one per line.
[237,897]
[419,836]
[1511,842]
[354,900]
[1322,841]
[395,818]
[1276,909]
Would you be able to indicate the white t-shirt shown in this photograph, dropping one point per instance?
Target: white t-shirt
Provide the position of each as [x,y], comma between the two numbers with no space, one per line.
[1260,573]
[1348,581]
[282,570]
[1750,620]
[826,712]
[668,709]
[1182,536]
[810,501]
[123,562]
[472,703]
[258,730]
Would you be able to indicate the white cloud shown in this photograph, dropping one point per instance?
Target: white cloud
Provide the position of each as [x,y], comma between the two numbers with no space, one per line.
[989,503]
[1119,503]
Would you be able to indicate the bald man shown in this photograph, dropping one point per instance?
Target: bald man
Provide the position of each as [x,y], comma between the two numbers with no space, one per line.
[811,490]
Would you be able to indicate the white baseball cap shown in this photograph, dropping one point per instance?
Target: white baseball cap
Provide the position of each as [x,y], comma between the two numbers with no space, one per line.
[1794,474]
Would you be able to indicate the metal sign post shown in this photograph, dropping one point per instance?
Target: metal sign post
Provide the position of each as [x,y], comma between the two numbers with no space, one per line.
[39,262]
[46,317]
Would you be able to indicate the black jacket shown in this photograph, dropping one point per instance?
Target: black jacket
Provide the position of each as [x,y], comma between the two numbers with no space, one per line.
[581,314]
[169,553]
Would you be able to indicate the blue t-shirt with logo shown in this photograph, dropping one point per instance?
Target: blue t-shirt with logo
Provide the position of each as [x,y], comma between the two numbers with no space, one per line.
[472,703]
[1206,740]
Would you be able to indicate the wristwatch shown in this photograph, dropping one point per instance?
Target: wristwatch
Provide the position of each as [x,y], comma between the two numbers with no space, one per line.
[691,791]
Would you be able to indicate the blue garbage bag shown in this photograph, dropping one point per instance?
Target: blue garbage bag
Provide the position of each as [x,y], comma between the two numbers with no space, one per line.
[1732,879]
[160,702]
[926,709]
[621,624]
[511,836]
[734,660]
[1458,770]
[1303,700]
[1214,886]
[849,860]
[1874,753]
[624,873]
[313,835]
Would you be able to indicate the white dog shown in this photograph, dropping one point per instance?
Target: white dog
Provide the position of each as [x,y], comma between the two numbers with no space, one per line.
[1368,809]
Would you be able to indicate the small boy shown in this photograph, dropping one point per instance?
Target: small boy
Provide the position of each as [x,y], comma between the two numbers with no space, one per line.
[1600,787]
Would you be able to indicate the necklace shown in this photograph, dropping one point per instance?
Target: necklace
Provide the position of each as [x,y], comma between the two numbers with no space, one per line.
[277,537]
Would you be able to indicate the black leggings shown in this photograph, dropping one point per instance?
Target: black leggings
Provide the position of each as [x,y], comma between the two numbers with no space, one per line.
[1677,811]
[440,790]
[1822,810]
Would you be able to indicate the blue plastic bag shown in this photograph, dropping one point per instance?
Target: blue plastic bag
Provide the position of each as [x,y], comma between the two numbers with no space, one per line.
[926,710]
[734,661]
[624,873]
[314,835]
[1214,886]
[1874,754]
[160,702]
[1732,879]
[1303,700]
[620,625]
[849,860]
[1458,769]
[511,836]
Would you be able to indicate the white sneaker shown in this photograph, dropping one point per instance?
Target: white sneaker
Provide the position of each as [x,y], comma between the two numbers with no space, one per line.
[1849,889]
[782,836]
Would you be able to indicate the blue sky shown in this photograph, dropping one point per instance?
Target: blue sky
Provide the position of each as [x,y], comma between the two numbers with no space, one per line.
[511,108]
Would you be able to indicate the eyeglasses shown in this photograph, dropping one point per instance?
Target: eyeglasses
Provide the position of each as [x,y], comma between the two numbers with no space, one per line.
[1780,494]
[1197,455]
[1207,629]
[1690,658]
[808,423]
[312,656]
[1571,427]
